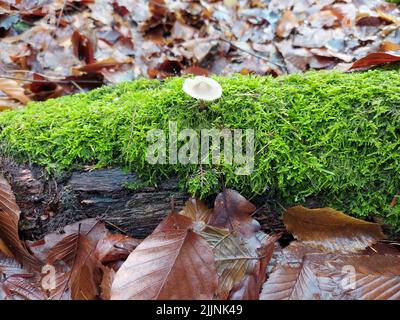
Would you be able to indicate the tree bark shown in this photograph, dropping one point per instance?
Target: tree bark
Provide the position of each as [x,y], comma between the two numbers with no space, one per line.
[48,204]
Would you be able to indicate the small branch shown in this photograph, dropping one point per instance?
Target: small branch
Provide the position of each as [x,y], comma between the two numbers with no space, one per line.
[61,14]
[33,72]
[77,86]
[116,227]
[252,53]
[53,81]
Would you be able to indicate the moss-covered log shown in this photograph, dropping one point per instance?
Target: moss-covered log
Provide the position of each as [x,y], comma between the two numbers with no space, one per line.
[323,134]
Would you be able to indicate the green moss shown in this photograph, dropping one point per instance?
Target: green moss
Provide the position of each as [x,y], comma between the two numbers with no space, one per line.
[325,134]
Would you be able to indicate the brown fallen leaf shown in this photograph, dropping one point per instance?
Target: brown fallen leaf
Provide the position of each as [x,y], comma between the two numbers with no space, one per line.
[12,89]
[387,17]
[240,260]
[286,24]
[389,46]
[382,248]
[374,59]
[197,71]
[82,47]
[322,276]
[172,263]
[43,89]
[369,21]
[7,103]
[115,247]
[9,218]
[331,230]
[173,222]
[324,18]
[22,287]
[93,228]
[198,212]
[78,271]
[106,283]
[99,65]
[232,211]
[250,287]
[4,249]
[234,258]
[17,282]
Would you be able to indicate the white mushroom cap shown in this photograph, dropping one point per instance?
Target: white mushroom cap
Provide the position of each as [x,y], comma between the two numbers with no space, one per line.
[202,88]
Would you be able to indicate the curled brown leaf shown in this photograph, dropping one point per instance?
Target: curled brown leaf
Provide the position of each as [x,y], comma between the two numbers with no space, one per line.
[331,230]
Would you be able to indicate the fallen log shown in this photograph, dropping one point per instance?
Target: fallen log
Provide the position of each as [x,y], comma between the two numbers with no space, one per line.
[48,204]
[325,135]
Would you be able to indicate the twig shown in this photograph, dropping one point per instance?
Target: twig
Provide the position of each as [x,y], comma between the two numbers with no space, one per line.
[116,227]
[33,72]
[252,53]
[61,13]
[53,81]
[259,209]
[77,86]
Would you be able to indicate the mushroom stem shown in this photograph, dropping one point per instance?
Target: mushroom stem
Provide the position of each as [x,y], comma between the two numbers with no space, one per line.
[202,105]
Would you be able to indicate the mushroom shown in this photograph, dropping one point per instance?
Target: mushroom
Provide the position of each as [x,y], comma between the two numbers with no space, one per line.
[203,89]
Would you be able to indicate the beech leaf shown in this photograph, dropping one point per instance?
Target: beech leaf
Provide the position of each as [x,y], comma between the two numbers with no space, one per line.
[115,247]
[79,273]
[12,89]
[331,230]
[233,211]
[236,258]
[196,210]
[374,59]
[9,218]
[94,229]
[286,24]
[17,282]
[322,276]
[169,264]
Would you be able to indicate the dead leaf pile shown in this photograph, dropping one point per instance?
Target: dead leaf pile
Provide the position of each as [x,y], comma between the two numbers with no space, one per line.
[53,48]
[328,261]
[200,253]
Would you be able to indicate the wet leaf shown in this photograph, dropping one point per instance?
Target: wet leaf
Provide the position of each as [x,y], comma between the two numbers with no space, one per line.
[94,229]
[322,276]
[14,90]
[286,24]
[374,59]
[240,263]
[196,210]
[115,247]
[17,282]
[250,287]
[233,212]
[331,230]
[79,272]
[82,47]
[23,288]
[169,264]
[9,218]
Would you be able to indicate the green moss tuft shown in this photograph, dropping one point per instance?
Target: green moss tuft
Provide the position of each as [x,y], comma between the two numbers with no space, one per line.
[325,134]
